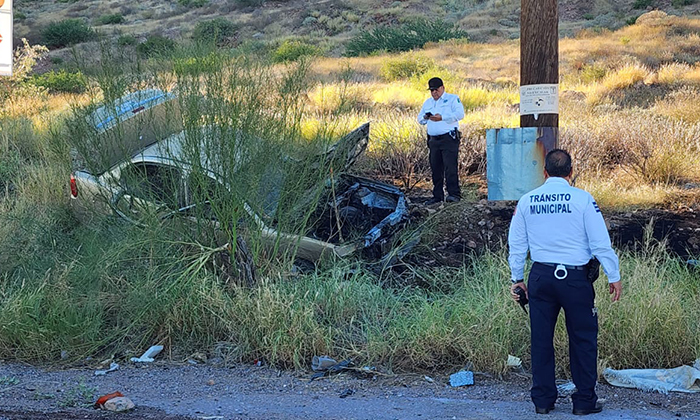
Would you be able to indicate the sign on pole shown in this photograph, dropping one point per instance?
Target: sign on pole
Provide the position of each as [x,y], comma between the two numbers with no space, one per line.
[6,38]
[539,99]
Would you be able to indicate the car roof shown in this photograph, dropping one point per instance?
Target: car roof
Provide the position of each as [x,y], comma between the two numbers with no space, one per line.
[125,107]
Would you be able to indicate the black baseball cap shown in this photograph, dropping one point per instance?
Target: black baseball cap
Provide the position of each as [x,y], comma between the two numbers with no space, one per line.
[434,83]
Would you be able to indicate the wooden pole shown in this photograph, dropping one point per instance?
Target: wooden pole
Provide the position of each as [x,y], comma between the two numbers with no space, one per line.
[539,52]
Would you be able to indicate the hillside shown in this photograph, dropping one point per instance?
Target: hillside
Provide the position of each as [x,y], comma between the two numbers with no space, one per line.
[326,23]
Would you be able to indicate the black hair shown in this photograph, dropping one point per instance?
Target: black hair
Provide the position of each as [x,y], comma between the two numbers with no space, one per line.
[558,163]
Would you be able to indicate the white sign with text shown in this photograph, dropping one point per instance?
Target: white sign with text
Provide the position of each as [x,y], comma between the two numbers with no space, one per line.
[539,99]
[5,37]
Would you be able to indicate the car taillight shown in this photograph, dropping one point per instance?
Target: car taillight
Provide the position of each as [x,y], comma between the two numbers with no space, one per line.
[73,187]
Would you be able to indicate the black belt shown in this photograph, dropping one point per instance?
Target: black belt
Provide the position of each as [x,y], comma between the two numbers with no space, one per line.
[439,136]
[568,267]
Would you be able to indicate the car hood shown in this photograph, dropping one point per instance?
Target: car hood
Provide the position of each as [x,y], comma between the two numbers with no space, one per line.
[350,147]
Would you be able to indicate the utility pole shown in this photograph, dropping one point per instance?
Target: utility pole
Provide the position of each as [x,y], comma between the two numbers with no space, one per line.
[539,59]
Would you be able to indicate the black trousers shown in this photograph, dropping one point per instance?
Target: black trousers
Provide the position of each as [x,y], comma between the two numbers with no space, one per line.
[444,150]
[576,296]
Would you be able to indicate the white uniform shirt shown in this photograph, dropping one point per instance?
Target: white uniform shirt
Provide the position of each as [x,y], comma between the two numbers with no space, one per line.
[450,109]
[559,224]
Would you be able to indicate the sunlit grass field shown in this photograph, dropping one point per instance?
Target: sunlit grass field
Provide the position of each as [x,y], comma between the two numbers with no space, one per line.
[629,116]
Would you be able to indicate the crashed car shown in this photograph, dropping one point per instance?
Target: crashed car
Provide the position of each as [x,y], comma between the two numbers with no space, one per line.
[147,169]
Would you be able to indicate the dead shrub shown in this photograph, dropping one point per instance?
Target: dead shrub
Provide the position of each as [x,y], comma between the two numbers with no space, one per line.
[399,152]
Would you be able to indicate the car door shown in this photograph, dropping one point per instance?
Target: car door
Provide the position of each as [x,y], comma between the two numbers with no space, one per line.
[149,190]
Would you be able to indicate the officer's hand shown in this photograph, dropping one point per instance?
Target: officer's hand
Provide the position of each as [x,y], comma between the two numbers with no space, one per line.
[436,117]
[515,286]
[616,290]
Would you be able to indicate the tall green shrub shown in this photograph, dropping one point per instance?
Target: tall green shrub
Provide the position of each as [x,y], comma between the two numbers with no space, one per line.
[66,32]
[156,45]
[293,50]
[404,37]
[217,31]
[406,66]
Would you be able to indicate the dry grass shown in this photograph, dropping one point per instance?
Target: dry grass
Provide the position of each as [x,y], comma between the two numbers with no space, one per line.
[681,105]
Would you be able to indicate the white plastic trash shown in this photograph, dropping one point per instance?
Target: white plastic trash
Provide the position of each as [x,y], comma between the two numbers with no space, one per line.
[112,367]
[321,363]
[149,355]
[513,361]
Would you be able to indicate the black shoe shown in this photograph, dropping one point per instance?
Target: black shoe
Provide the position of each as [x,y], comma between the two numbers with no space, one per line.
[452,199]
[583,412]
[433,201]
[540,410]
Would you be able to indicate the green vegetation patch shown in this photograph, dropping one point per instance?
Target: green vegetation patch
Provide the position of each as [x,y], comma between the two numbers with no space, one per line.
[681,3]
[406,66]
[404,37]
[113,19]
[293,50]
[66,32]
[156,46]
[61,81]
[218,31]
[192,3]
[642,4]
[125,40]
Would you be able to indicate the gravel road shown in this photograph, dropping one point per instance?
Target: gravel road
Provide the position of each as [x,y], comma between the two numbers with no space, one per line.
[184,391]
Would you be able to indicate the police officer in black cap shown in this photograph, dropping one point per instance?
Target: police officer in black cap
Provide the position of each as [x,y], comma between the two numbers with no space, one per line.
[563,229]
[442,113]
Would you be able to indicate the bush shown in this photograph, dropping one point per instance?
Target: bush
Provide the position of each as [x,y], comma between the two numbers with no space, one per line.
[406,66]
[403,38]
[112,19]
[292,51]
[192,3]
[592,73]
[681,3]
[66,32]
[642,4]
[218,31]
[249,3]
[631,20]
[197,65]
[61,81]
[125,40]
[156,45]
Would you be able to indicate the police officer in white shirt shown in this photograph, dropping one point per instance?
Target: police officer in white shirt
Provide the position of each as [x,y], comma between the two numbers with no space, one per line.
[442,113]
[563,229]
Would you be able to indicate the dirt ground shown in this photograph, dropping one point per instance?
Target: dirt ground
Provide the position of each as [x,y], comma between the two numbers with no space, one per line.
[471,227]
[164,390]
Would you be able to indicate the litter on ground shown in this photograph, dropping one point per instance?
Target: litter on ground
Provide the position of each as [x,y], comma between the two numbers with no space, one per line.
[149,355]
[462,378]
[112,367]
[680,379]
